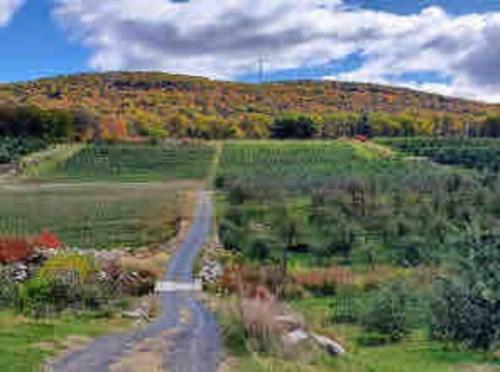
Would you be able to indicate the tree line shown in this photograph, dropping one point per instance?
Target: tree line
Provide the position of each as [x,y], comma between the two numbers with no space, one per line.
[84,125]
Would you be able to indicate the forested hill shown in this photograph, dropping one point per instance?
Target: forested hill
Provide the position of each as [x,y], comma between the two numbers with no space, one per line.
[146,101]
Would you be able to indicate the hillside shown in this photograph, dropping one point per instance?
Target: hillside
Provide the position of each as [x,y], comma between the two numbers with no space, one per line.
[151,99]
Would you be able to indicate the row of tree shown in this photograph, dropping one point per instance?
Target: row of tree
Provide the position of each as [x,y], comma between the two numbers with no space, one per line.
[82,124]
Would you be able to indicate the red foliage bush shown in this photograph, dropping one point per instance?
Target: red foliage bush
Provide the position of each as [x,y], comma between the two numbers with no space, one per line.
[20,249]
[14,250]
[47,240]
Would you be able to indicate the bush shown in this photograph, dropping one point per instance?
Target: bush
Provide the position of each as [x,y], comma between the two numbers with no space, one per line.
[466,305]
[390,311]
[71,267]
[231,235]
[14,250]
[8,288]
[463,317]
[43,297]
[259,249]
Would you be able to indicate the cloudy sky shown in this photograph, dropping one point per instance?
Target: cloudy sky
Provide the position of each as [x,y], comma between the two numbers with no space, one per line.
[445,46]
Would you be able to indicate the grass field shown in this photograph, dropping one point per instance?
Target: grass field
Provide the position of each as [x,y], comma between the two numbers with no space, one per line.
[95,215]
[26,343]
[127,163]
[104,195]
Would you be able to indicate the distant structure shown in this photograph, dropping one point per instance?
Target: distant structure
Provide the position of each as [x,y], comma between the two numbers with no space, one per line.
[261,68]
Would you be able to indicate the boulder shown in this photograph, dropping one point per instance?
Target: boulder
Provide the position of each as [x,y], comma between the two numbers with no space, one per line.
[329,345]
[295,337]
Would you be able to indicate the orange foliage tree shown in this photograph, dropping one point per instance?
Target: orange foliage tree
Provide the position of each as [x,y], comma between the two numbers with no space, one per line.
[113,128]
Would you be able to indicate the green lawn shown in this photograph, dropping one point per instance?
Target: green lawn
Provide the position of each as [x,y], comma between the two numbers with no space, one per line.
[26,343]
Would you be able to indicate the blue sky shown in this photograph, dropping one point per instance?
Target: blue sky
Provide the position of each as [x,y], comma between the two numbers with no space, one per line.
[444,46]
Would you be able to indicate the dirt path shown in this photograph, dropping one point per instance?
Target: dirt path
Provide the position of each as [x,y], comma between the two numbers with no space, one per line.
[184,338]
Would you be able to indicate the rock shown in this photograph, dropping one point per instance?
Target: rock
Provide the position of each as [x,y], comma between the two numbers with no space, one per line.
[138,314]
[211,271]
[289,323]
[332,347]
[295,337]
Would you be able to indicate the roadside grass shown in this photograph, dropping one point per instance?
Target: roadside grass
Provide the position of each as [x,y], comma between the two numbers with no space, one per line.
[97,216]
[26,343]
[128,163]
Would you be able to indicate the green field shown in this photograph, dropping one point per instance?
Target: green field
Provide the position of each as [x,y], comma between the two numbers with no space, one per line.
[26,344]
[104,195]
[128,163]
[94,215]
[288,165]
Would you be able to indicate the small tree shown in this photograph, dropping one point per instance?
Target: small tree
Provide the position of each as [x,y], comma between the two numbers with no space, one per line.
[390,311]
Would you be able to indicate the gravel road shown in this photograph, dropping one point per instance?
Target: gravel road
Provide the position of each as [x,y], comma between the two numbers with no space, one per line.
[192,332]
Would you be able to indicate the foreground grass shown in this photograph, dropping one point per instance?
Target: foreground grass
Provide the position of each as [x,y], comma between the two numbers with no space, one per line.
[128,163]
[97,215]
[25,343]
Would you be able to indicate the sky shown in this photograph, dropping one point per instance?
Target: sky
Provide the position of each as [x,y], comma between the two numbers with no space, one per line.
[450,47]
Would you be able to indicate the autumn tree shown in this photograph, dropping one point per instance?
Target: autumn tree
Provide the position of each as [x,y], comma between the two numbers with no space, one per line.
[113,128]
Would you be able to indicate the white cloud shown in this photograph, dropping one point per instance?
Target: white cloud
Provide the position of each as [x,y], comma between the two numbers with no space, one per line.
[7,10]
[224,38]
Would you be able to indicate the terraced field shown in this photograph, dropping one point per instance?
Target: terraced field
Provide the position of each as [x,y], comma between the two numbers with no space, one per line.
[129,163]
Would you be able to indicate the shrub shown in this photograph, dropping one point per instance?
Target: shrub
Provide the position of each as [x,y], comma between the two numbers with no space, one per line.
[259,249]
[460,316]
[70,267]
[47,240]
[8,287]
[14,250]
[230,234]
[389,311]
[43,297]
[466,304]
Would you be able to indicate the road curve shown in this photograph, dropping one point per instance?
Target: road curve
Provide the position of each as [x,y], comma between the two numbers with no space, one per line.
[188,328]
